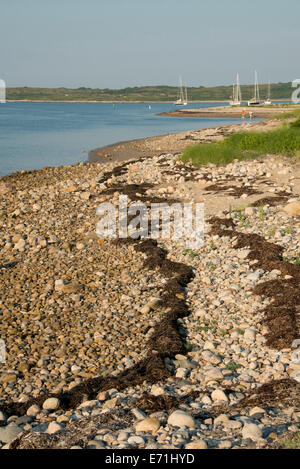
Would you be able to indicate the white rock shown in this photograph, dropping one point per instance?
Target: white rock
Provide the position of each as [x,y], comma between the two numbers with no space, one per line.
[181,373]
[136,440]
[225,444]
[252,431]
[211,357]
[221,419]
[197,444]
[54,427]
[85,195]
[139,414]
[9,433]
[293,209]
[33,410]
[51,404]
[20,244]
[96,444]
[214,374]
[257,412]
[148,425]
[253,277]
[111,403]
[232,424]
[88,404]
[181,419]
[295,375]
[59,285]
[250,334]
[157,390]
[243,254]
[219,395]
[206,399]
[209,346]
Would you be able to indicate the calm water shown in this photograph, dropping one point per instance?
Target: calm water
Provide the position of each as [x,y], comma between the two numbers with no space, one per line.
[35,135]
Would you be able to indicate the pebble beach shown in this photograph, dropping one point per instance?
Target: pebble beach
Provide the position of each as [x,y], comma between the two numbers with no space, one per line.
[150,345]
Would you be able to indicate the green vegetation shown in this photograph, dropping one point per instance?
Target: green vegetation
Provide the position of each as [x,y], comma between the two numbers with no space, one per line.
[232,366]
[246,145]
[262,215]
[188,347]
[144,93]
[292,261]
[287,230]
[291,443]
[242,216]
[204,328]
[191,253]
[271,231]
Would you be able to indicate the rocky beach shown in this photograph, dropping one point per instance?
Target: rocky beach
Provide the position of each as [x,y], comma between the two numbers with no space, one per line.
[131,344]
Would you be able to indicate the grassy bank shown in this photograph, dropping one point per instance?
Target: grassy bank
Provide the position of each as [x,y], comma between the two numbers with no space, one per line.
[246,145]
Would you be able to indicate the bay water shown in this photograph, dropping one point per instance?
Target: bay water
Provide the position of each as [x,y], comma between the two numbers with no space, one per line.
[35,135]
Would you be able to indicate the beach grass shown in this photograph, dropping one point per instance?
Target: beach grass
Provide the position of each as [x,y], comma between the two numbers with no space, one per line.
[292,442]
[284,141]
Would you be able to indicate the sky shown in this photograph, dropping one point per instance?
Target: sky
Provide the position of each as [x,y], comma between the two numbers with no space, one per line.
[121,43]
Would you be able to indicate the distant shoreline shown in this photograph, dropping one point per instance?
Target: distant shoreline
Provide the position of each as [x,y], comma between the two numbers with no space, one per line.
[227,112]
[117,102]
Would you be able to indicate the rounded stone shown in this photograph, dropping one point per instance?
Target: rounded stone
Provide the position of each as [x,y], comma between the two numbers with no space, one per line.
[219,395]
[251,431]
[33,410]
[181,419]
[149,424]
[198,444]
[293,209]
[54,427]
[51,404]
[9,433]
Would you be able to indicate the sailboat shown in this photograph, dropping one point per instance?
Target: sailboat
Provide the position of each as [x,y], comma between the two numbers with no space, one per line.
[268,100]
[182,97]
[255,101]
[236,95]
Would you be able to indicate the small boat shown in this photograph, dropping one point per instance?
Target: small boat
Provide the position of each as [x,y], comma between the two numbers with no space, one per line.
[236,95]
[182,97]
[268,100]
[255,101]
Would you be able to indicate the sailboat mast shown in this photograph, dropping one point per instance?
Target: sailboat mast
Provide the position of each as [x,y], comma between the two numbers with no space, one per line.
[238,91]
[256,89]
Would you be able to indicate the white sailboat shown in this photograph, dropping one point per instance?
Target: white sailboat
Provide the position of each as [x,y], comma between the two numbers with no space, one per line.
[182,95]
[255,101]
[268,100]
[236,95]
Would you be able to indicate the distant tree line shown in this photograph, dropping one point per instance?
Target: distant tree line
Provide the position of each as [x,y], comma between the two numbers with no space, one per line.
[145,93]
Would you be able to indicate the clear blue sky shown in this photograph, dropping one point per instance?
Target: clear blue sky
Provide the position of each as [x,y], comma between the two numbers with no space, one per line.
[118,43]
